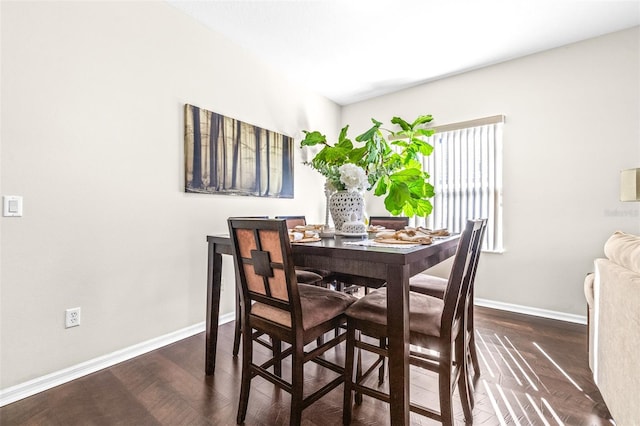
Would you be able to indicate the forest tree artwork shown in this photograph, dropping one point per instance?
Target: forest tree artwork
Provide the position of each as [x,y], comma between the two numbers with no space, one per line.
[227,156]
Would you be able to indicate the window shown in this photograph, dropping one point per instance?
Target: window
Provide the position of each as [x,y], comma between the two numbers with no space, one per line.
[466,172]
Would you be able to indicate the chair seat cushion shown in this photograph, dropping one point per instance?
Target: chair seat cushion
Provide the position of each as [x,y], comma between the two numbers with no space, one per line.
[318,305]
[308,277]
[322,272]
[429,285]
[425,312]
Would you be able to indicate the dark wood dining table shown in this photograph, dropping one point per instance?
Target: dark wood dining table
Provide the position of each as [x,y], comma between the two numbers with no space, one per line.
[395,265]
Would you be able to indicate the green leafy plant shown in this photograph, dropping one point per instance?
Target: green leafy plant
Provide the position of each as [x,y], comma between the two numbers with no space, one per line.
[389,158]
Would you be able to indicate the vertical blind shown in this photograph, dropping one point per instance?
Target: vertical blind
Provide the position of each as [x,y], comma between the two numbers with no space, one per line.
[466,172]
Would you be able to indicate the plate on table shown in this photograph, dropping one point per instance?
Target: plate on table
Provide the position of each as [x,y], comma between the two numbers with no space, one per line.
[351,234]
[399,242]
[308,240]
[308,227]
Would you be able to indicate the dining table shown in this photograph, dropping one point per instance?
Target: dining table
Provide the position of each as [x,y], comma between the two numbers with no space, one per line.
[353,256]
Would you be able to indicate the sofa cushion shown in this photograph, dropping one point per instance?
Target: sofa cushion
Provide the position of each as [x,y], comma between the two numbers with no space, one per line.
[624,249]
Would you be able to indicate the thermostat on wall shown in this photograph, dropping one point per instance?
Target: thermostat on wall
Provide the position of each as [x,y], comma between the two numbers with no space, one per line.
[12,205]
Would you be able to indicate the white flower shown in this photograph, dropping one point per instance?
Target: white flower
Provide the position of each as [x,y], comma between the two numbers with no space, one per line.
[353,177]
[329,187]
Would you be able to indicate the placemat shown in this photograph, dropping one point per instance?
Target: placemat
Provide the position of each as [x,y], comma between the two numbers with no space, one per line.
[372,243]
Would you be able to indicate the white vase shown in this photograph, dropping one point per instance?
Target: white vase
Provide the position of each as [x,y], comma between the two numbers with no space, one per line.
[343,204]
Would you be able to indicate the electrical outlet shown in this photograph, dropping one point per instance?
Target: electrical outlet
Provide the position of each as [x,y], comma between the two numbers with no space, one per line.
[72,317]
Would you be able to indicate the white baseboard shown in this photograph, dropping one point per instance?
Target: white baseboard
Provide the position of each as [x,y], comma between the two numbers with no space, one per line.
[40,384]
[528,310]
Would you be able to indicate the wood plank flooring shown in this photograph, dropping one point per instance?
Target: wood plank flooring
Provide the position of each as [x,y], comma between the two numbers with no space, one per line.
[534,372]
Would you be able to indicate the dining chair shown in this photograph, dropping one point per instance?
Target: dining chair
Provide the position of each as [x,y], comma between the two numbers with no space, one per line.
[304,276]
[434,324]
[389,222]
[274,304]
[436,286]
[293,221]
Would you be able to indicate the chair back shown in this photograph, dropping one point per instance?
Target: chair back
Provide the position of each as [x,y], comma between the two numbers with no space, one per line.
[459,287]
[263,259]
[389,222]
[293,221]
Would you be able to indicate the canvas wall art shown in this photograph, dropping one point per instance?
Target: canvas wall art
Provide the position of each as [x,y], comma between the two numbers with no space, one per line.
[227,156]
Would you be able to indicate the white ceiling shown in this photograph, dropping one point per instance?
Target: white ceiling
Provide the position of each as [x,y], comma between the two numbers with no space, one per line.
[351,50]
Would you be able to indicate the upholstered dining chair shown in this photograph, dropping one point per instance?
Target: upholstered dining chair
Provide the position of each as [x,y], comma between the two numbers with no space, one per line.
[436,287]
[274,304]
[434,324]
[389,222]
[293,221]
[304,276]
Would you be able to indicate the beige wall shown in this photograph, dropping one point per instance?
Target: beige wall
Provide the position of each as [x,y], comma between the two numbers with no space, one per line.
[92,138]
[572,123]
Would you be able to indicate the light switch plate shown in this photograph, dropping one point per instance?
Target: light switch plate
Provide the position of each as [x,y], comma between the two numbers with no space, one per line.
[12,205]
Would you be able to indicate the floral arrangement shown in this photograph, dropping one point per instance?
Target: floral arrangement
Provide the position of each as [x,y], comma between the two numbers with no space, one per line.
[391,166]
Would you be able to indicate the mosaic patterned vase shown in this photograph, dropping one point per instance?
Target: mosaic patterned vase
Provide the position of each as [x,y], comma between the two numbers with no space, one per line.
[342,204]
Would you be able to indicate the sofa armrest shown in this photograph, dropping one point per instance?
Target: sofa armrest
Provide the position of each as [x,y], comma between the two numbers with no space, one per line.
[617,339]
[588,294]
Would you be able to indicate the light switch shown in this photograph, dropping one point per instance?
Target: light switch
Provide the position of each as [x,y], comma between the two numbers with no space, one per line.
[12,205]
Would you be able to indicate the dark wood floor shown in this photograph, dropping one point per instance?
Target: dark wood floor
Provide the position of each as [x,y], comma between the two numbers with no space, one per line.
[534,372]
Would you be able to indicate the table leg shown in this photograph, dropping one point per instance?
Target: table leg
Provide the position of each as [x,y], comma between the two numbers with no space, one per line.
[398,330]
[214,284]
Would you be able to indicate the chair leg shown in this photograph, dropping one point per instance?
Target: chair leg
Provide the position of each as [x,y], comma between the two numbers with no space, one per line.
[471,361]
[358,396]
[237,335]
[348,375]
[471,383]
[297,381]
[445,391]
[383,345]
[474,355]
[277,354]
[471,330]
[465,388]
[245,386]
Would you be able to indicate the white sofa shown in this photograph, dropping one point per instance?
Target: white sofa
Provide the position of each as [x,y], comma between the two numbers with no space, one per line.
[613,297]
